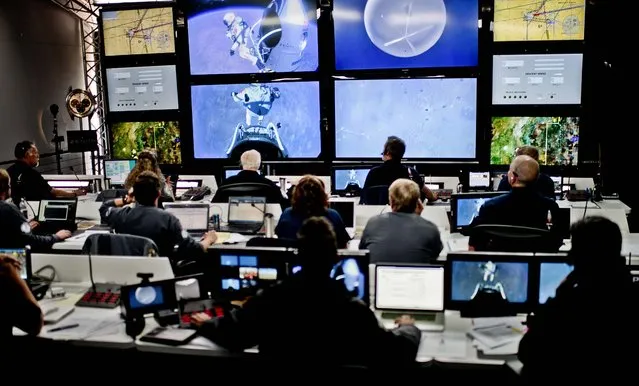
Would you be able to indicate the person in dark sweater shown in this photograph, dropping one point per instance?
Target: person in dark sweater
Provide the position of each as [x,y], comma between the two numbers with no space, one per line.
[544,185]
[310,318]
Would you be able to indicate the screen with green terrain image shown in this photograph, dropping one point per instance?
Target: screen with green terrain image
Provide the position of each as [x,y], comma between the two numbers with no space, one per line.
[556,138]
[130,138]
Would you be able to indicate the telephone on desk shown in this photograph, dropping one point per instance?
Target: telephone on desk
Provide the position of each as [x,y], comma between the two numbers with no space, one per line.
[196,194]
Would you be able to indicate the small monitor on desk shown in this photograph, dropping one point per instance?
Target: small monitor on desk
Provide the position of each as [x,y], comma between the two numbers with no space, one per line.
[551,274]
[479,180]
[118,170]
[409,288]
[145,298]
[230,172]
[465,207]
[346,209]
[57,211]
[349,178]
[192,217]
[488,284]
[183,186]
[23,256]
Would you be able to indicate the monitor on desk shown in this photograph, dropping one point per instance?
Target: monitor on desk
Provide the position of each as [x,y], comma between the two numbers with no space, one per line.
[465,207]
[479,180]
[552,272]
[183,186]
[57,210]
[347,178]
[230,172]
[192,217]
[346,209]
[409,288]
[489,284]
[145,298]
[23,256]
[247,210]
[118,170]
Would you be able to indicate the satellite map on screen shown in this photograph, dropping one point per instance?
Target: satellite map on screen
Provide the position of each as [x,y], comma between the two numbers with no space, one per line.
[520,20]
[130,138]
[138,32]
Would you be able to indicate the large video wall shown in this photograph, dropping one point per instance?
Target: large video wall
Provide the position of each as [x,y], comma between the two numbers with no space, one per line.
[461,81]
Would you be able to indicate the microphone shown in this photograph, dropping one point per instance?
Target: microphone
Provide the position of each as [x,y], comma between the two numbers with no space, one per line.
[54,110]
[88,247]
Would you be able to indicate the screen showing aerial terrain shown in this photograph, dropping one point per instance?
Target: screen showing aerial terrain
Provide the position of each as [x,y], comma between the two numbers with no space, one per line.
[130,138]
[251,36]
[435,117]
[142,88]
[557,139]
[529,20]
[551,79]
[386,34]
[280,117]
[138,32]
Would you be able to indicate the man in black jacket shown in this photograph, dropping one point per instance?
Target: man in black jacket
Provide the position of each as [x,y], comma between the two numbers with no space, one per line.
[310,318]
[544,185]
[15,229]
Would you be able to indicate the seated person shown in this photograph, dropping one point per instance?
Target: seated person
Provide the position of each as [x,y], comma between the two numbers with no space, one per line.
[251,161]
[311,318]
[402,236]
[148,162]
[544,184]
[310,200]
[147,220]
[19,308]
[522,206]
[392,169]
[580,335]
[15,229]
[28,183]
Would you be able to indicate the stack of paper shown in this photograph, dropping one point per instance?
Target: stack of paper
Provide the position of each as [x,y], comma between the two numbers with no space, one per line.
[495,337]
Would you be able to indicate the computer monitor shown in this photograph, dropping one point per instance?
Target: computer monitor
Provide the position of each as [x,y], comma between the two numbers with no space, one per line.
[479,180]
[183,186]
[464,207]
[378,35]
[61,210]
[279,119]
[346,209]
[551,274]
[164,137]
[246,210]
[556,138]
[230,172]
[138,31]
[368,111]
[246,37]
[23,256]
[547,79]
[410,288]
[117,171]
[345,177]
[495,283]
[142,88]
[145,298]
[192,217]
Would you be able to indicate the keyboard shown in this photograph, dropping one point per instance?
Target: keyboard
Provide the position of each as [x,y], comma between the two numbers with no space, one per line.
[104,296]
[243,230]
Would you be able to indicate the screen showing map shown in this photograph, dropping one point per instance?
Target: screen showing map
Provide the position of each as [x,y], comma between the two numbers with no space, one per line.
[142,88]
[138,32]
[557,139]
[130,138]
[436,117]
[530,20]
[388,34]
[251,36]
[549,79]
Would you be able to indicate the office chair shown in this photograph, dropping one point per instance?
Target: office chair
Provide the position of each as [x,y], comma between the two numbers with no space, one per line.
[248,189]
[374,195]
[109,244]
[511,238]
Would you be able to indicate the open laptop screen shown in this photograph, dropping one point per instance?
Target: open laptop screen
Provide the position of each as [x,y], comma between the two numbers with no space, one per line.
[409,288]
[247,209]
[57,210]
[346,210]
[193,218]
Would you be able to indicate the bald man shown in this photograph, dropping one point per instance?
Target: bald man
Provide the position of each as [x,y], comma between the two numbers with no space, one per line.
[544,184]
[402,236]
[522,206]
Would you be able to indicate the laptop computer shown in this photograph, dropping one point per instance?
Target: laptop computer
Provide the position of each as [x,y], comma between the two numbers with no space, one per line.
[245,215]
[346,209]
[55,215]
[194,217]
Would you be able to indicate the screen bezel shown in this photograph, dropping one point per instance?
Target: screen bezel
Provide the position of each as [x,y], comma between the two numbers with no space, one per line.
[27,259]
[335,168]
[178,205]
[143,117]
[116,160]
[352,202]
[418,266]
[453,206]
[451,74]
[532,290]
[539,259]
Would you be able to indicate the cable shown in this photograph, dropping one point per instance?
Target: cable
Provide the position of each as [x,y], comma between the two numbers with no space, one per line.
[221,211]
[48,278]
[30,207]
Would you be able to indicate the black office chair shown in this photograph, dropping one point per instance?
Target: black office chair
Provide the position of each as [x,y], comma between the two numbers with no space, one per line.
[248,189]
[511,238]
[109,244]
[374,195]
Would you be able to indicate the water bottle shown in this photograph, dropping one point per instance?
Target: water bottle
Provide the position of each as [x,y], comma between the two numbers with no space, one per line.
[269,228]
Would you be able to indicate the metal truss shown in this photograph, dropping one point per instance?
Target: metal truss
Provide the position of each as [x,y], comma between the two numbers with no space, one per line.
[88,14]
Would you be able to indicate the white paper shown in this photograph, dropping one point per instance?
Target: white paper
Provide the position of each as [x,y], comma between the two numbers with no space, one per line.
[443,345]
[236,238]
[84,235]
[86,327]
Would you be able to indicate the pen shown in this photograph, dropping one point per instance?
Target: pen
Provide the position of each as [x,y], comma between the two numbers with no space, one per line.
[64,327]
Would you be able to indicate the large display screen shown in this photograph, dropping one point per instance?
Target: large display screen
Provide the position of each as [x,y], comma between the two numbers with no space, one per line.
[386,34]
[528,20]
[550,79]
[437,118]
[142,88]
[283,116]
[138,32]
[556,138]
[250,36]
[130,138]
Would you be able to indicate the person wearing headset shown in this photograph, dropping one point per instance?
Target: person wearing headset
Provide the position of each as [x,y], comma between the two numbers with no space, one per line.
[28,183]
